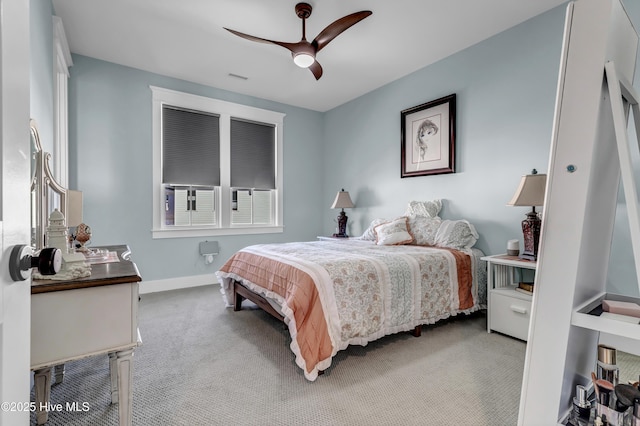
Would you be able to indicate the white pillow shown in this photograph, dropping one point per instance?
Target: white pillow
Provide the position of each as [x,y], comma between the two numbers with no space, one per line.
[424,229]
[456,234]
[393,233]
[369,234]
[424,208]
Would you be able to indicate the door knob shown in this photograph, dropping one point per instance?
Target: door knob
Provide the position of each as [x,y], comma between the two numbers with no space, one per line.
[22,259]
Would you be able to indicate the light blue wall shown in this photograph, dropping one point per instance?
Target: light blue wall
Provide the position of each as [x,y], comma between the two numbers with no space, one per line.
[505,89]
[110,161]
[41,56]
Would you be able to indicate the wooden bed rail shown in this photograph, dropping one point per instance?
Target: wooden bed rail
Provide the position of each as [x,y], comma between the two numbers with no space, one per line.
[240,293]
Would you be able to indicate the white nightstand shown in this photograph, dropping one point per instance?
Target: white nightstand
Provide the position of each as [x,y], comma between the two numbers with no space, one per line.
[328,238]
[508,310]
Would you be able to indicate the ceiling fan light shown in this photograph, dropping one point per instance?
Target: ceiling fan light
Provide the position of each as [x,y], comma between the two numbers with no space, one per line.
[303,60]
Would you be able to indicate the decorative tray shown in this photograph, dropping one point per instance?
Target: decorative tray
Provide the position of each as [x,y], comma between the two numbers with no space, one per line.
[95,255]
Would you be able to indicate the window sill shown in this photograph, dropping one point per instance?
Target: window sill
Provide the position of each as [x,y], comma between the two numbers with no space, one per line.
[212,232]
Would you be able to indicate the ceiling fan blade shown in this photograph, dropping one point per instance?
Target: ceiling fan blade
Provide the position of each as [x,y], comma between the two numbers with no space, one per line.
[316,69]
[334,29]
[289,46]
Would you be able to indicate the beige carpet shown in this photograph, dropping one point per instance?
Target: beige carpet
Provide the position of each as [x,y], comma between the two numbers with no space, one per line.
[203,364]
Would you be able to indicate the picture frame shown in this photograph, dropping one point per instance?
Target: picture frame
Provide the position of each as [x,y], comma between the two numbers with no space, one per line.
[427,134]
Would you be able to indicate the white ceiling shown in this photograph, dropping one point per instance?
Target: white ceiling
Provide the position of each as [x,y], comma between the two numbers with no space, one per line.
[185,39]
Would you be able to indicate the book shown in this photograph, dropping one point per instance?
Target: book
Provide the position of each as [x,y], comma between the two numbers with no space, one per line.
[526,286]
[618,317]
[522,290]
[621,308]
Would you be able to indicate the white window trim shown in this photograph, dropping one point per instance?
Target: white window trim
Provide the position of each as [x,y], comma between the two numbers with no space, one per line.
[61,63]
[225,110]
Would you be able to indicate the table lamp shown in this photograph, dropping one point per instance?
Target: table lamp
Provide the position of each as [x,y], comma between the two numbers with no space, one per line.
[530,193]
[74,208]
[342,201]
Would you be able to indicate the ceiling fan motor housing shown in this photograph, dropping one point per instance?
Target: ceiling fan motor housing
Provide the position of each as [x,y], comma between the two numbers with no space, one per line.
[303,10]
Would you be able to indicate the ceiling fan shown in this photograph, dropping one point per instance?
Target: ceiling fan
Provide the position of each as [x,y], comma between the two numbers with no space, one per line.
[304,52]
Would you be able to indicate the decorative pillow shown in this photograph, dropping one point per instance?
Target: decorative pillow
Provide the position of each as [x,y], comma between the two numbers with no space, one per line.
[424,208]
[395,232]
[456,234]
[424,229]
[369,234]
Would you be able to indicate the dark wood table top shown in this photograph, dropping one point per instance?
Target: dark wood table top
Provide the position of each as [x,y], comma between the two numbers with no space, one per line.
[124,271]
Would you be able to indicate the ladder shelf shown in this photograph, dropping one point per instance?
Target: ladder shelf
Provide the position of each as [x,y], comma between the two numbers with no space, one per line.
[591,158]
[587,316]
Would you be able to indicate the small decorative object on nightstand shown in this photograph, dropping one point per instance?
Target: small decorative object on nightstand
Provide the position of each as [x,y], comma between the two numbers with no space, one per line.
[513,247]
[83,235]
[530,193]
[342,201]
[508,306]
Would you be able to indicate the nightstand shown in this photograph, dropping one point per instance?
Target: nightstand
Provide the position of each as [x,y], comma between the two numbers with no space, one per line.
[508,310]
[324,238]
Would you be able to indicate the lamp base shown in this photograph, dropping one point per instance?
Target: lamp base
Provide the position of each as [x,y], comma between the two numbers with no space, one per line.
[342,225]
[531,234]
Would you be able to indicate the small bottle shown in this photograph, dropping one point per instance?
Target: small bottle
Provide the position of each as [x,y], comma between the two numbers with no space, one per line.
[606,365]
[604,401]
[581,406]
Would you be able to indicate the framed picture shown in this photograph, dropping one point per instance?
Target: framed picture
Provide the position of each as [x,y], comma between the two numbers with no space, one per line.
[428,138]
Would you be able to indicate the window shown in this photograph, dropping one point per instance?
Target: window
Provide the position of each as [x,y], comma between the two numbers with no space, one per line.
[251,207]
[217,167]
[62,62]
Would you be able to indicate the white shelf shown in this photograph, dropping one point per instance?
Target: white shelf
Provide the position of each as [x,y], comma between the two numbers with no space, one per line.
[581,317]
[511,291]
[504,259]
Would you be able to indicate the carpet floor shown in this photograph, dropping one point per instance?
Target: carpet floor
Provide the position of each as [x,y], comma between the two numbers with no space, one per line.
[203,364]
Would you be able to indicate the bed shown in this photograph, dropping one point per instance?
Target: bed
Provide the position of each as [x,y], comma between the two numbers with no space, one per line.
[332,294]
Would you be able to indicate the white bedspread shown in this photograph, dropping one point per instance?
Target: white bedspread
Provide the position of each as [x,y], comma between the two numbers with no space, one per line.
[365,291]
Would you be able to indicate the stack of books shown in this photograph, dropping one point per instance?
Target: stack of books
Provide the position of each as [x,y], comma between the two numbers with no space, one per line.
[526,288]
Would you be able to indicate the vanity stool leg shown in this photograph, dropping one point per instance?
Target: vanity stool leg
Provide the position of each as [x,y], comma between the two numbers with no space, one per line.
[42,379]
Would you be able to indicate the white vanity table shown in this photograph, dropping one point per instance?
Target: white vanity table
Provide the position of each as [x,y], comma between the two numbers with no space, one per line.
[89,316]
[75,318]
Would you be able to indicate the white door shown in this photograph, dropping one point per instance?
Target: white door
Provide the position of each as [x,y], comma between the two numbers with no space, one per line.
[15,303]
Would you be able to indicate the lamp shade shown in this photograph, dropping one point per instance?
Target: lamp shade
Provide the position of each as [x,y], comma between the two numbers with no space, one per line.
[342,201]
[74,208]
[530,192]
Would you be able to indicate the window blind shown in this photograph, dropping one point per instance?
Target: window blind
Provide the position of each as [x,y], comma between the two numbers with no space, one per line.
[253,153]
[190,147]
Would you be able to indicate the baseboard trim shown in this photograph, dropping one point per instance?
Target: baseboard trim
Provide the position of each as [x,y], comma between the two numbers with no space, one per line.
[177,283]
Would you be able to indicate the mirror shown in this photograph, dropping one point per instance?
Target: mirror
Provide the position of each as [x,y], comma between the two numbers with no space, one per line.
[46,193]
